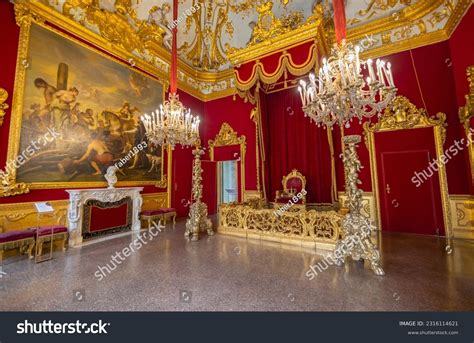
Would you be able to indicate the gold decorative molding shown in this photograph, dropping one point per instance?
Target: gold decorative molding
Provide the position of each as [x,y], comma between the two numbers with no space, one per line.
[27,14]
[121,28]
[20,216]
[8,186]
[3,104]
[402,115]
[227,136]
[305,228]
[465,115]
[463,220]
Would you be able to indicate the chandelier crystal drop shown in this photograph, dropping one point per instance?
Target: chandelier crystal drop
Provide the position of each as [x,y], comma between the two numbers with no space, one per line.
[172,124]
[339,93]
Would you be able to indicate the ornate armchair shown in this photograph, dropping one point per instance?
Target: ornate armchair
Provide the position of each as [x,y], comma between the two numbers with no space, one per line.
[293,183]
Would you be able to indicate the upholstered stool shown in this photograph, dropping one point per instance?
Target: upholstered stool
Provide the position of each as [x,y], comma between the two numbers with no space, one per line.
[17,239]
[44,235]
[150,216]
[168,213]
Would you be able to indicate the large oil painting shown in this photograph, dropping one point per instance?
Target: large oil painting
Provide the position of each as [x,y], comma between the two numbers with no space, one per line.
[81,114]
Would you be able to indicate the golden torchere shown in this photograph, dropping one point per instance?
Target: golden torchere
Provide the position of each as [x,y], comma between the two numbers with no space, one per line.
[198,220]
[356,227]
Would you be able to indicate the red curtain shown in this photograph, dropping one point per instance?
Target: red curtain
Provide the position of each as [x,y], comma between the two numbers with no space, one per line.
[292,142]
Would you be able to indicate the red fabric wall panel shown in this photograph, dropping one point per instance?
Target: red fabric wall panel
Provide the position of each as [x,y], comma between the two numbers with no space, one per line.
[108,218]
[237,114]
[183,161]
[436,79]
[461,45]
[295,143]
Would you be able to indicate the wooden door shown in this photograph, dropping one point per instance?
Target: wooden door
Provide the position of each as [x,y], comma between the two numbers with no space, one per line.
[409,191]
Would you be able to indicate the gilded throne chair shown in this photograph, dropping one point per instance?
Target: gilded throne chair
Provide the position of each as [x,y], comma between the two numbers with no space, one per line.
[293,183]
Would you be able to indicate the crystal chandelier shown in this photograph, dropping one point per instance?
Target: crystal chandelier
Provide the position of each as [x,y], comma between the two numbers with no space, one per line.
[339,93]
[173,123]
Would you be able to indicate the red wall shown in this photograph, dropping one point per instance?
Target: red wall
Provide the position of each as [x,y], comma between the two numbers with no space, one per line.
[237,114]
[437,84]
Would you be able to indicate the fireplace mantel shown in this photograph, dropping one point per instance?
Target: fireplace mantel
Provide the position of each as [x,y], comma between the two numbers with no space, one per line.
[78,197]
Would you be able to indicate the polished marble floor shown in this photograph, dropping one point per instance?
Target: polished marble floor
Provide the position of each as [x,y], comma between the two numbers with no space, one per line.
[223,273]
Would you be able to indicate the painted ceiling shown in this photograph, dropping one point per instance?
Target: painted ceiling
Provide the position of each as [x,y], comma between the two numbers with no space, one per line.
[207,30]
[210,32]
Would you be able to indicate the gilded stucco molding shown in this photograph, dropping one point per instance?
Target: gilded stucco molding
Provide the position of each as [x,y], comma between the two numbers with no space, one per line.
[403,115]
[227,136]
[8,186]
[466,113]
[3,105]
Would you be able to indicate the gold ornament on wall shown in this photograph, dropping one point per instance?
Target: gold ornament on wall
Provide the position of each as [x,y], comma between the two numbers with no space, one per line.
[466,113]
[8,186]
[3,104]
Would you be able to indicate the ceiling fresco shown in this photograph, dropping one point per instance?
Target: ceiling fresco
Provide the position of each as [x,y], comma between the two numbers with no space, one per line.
[213,35]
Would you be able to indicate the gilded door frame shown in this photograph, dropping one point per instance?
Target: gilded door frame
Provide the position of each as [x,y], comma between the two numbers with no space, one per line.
[403,115]
[227,136]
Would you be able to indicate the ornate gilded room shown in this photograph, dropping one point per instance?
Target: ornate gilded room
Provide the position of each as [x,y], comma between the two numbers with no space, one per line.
[236,155]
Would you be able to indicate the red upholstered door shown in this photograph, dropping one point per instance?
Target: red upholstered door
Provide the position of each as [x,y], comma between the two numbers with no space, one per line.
[209,183]
[404,207]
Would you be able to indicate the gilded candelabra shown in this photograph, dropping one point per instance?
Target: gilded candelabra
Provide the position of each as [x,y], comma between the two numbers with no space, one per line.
[356,227]
[198,221]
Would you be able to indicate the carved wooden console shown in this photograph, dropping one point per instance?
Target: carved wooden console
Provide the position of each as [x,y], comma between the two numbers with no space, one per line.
[78,197]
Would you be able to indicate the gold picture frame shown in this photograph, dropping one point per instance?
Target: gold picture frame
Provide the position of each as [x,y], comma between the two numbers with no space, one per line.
[27,14]
[465,114]
[402,115]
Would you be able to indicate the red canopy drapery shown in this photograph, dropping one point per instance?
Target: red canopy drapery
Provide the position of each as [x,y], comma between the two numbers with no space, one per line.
[296,61]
